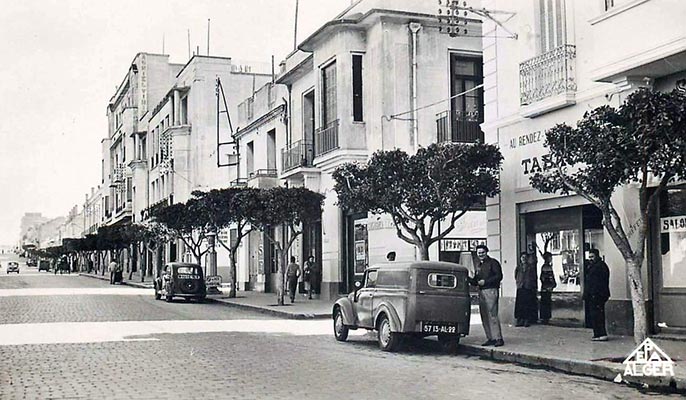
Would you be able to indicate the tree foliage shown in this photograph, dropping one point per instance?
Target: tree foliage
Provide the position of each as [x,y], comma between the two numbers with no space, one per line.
[643,141]
[438,183]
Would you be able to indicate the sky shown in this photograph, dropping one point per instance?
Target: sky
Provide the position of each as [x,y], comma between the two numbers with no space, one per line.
[63,59]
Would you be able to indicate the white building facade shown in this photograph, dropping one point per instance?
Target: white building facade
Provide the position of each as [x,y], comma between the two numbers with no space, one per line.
[569,57]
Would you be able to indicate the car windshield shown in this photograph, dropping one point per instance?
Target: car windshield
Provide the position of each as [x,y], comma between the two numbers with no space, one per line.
[187,270]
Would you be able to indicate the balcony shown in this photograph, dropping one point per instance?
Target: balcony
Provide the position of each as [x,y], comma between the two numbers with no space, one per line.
[239,183]
[459,126]
[326,138]
[298,154]
[548,81]
[118,173]
[262,178]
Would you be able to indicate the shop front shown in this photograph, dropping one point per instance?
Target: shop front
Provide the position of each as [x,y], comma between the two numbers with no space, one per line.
[568,234]
[669,260]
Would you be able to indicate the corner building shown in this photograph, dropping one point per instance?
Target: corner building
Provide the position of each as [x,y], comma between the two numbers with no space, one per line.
[355,86]
[570,57]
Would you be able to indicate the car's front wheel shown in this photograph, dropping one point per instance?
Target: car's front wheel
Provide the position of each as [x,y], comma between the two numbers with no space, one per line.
[388,340]
[340,331]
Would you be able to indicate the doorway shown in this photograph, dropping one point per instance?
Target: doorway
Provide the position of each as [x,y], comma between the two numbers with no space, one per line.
[568,234]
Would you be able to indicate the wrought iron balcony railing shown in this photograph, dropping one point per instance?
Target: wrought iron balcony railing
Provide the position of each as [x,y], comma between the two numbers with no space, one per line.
[240,182]
[118,173]
[298,154]
[459,126]
[547,75]
[326,138]
[266,172]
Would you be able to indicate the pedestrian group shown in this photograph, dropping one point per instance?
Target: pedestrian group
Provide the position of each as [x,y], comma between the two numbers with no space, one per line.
[488,275]
[312,277]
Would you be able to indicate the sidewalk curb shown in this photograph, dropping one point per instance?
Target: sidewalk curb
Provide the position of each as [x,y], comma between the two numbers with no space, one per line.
[596,369]
[270,311]
[127,283]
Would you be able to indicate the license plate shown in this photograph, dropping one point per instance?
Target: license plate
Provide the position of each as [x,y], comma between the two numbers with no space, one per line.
[188,276]
[439,327]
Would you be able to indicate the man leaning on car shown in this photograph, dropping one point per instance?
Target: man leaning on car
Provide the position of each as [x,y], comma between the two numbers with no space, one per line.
[487,277]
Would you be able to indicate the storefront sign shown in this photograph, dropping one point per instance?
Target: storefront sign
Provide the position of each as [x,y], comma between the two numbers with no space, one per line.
[461,244]
[213,281]
[673,224]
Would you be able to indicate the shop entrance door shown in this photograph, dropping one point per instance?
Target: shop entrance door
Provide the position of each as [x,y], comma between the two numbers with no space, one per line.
[356,251]
[566,233]
[669,259]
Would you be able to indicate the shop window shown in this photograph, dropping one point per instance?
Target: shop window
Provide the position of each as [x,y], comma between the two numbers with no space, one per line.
[673,238]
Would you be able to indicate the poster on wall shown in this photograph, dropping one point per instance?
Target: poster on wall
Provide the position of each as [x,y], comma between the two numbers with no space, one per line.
[361,251]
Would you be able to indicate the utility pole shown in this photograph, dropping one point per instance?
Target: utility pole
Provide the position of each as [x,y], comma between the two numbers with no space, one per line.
[295,27]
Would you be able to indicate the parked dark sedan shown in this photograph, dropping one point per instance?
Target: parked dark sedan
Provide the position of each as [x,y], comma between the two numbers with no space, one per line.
[12,266]
[180,280]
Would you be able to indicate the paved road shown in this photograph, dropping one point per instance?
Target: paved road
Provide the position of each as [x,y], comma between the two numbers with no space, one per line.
[129,346]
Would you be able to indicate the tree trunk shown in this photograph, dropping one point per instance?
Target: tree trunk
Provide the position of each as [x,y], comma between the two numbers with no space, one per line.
[423,251]
[234,280]
[633,268]
[280,287]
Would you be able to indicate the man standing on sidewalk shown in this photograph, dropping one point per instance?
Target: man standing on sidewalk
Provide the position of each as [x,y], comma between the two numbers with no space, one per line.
[487,277]
[292,275]
[597,293]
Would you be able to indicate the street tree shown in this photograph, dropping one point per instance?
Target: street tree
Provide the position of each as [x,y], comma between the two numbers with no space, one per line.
[291,209]
[439,183]
[234,208]
[643,144]
[188,222]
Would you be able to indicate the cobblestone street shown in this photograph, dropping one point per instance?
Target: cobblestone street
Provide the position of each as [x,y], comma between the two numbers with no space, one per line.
[295,360]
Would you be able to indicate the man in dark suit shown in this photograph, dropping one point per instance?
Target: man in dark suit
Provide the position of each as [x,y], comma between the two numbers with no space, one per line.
[597,293]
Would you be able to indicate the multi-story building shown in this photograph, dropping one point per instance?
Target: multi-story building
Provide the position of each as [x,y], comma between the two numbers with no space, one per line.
[179,151]
[379,76]
[147,80]
[93,211]
[28,221]
[261,131]
[570,57]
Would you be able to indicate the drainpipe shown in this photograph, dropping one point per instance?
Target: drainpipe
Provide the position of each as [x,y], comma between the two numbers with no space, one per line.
[414,28]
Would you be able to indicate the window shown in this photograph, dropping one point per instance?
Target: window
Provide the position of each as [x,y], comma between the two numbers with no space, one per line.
[551,24]
[393,279]
[329,111]
[357,88]
[308,116]
[184,110]
[271,149]
[446,281]
[466,110]
[371,279]
[250,158]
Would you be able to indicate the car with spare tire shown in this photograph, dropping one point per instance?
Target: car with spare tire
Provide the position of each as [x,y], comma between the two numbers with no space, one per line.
[183,280]
[412,299]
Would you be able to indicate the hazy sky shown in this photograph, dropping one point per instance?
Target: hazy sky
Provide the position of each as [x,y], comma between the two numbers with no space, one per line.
[62,61]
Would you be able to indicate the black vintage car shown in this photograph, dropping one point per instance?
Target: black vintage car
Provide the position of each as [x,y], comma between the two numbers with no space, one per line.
[180,280]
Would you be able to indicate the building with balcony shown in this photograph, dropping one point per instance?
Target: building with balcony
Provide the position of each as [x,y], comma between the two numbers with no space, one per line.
[187,141]
[262,130]
[379,76]
[147,80]
[571,57]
